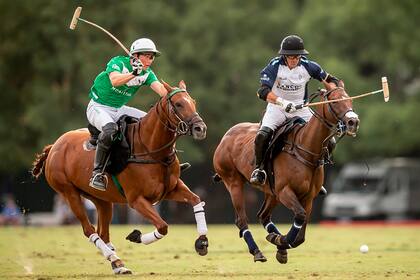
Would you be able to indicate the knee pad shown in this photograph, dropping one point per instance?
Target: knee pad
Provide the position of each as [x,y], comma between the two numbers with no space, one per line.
[108,133]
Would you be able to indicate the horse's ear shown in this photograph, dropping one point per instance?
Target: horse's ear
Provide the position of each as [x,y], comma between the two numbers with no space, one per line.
[166,85]
[182,85]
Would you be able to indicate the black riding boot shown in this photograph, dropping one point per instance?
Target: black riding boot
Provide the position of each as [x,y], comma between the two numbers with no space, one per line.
[99,180]
[262,140]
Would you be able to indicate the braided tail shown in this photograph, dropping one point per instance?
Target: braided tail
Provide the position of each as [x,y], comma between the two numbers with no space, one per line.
[39,163]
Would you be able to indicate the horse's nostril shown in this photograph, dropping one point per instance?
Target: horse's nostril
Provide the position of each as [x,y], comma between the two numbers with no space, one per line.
[197,129]
[350,122]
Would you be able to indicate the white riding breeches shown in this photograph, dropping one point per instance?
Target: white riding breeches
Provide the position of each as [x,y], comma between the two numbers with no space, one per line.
[99,115]
[275,116]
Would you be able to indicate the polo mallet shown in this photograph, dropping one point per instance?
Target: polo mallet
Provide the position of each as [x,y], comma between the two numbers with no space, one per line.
[384,89]
[76,18]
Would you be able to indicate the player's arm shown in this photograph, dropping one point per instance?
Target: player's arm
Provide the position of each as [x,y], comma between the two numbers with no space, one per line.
[158,87]
[118,79]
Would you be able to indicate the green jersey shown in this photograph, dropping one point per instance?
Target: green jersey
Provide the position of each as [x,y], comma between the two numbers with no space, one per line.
[105,93]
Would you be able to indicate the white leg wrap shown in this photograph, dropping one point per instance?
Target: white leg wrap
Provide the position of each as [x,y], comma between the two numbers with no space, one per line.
[111,246]
[100,244]
[151,237]
[200,218]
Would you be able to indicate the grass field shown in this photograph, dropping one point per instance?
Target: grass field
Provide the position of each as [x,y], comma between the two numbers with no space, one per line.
[328,253]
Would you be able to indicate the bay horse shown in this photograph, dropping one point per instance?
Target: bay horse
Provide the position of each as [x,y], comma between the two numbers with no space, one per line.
[155,176]
[298,170]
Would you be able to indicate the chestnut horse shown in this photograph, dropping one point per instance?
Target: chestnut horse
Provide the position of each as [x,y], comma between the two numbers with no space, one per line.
[68,166]
[298,170]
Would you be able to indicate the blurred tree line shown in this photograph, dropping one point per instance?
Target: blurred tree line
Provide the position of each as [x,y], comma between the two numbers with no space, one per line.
[218,48]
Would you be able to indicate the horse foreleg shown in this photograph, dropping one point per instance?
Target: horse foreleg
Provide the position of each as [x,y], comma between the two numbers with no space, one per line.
[182,193]
[301,236]
[264,216]
[145,208]
[289,199]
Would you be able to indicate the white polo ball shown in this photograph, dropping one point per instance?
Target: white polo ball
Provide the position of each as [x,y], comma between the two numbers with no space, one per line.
[364,249]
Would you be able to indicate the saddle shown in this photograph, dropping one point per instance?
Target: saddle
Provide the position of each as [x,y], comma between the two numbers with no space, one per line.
[120,149]
[276,145]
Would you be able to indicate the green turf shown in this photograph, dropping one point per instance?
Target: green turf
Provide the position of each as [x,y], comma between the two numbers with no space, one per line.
[328,253]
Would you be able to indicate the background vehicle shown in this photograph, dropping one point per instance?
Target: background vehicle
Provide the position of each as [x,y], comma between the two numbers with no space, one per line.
[388,188]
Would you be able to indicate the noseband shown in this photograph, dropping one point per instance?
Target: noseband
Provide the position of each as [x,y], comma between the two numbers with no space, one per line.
[180,126]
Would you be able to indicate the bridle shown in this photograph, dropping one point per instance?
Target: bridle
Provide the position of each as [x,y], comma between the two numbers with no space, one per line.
[178,127]
[337,128]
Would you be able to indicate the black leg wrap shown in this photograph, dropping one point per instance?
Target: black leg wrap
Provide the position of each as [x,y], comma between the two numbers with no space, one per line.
[270,227]
[294,231]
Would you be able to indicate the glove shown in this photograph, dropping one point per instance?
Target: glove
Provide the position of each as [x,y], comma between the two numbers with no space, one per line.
[286,105]
[137,66]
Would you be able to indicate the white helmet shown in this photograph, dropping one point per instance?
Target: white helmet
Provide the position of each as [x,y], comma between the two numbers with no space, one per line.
[144,45]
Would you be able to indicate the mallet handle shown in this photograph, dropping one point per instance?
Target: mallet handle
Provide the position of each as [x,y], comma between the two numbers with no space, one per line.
[338,100]
[110,35]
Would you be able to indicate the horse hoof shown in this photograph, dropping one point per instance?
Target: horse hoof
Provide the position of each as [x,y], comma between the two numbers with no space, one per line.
[201,245]
[122,270]
[135,236]
[281,256]
[259,257]
[119,268]
[278,240]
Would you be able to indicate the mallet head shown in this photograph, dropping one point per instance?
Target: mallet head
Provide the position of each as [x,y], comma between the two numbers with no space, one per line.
[385,89]
[76,16]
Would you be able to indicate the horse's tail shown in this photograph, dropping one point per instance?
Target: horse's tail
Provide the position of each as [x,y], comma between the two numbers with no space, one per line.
[39,163]
[217,178]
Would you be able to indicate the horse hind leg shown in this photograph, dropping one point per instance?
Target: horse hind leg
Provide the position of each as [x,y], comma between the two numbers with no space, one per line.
[75,202]
[104,209]
[235,187]
[264,215]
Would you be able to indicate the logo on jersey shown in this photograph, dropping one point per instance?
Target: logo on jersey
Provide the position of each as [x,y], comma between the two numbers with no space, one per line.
[116,67]
[121,92]
[289,87]
[265,78]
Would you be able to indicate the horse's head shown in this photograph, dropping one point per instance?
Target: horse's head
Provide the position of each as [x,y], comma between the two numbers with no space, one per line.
[340,113]
[181,112]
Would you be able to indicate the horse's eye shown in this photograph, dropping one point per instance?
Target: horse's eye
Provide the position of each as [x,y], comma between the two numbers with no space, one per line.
[178,105]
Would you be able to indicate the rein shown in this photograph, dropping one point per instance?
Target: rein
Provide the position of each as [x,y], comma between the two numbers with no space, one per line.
[337,129]
[178,131]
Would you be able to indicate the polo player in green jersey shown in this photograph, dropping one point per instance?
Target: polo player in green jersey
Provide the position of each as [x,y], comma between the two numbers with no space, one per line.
[111,90]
